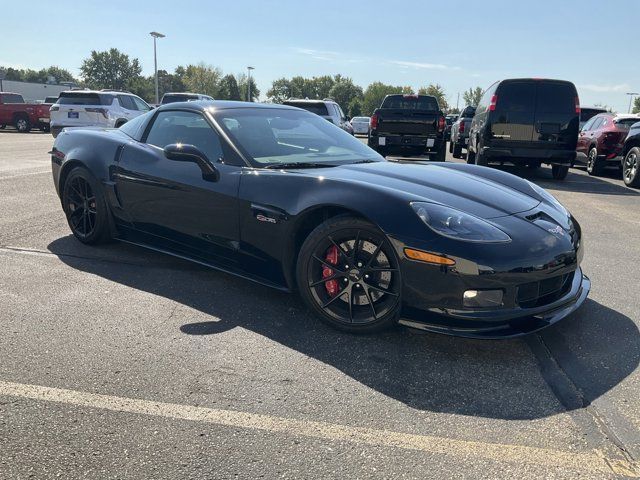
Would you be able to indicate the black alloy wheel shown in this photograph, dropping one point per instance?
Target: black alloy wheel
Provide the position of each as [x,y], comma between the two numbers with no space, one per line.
[349,275]
[85,207]
[631,168]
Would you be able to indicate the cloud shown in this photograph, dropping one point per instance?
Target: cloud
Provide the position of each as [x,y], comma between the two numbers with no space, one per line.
[623,87]
[423,66]
[317,54]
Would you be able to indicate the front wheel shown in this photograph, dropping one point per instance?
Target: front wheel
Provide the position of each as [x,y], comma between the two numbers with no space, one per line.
[559,172]
[85,207]
[631,168]
[349,275]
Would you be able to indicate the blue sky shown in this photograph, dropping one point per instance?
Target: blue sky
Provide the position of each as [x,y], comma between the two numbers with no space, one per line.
[459,44]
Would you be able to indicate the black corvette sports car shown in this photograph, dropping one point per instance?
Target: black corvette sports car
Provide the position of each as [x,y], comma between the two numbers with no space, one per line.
[282,197]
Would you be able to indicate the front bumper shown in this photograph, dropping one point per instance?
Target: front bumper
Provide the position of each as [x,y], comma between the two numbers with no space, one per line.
[499,323]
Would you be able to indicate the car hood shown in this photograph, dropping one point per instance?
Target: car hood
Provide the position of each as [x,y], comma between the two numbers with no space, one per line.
[464,191]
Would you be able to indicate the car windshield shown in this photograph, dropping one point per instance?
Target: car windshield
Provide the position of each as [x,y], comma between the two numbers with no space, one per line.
[273,136]
[318,108]
[178,98]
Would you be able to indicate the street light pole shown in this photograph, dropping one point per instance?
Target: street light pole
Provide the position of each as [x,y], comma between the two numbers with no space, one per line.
[631,95]
[155,36]
[249,83]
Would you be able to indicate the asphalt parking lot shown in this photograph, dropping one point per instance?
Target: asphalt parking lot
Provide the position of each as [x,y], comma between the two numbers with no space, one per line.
[120,362]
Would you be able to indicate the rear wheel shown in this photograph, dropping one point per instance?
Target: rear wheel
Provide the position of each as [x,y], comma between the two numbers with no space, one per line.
[481,159]
[22,124]
[559,172]
[85,207]
[631,168]
[441,155]
[457,151]
[471,157]
[348,274]
[595,165]
[450,147]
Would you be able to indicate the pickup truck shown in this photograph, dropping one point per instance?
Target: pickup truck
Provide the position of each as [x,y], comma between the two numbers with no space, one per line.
[23,116]
[460,131]
[408,125]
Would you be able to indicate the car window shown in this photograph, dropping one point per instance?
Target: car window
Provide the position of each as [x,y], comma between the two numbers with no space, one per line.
[189,128]
[83,98]
[468,112]
[516,97]
[587,126]
[12,98]
[625,123]
[410,102]
[134,128]
[556,98]
[317,108]
[486,98]
[127,102]
[141,105]
[596,124]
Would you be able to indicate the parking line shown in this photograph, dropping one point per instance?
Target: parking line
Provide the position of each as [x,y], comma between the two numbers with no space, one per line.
[593,461]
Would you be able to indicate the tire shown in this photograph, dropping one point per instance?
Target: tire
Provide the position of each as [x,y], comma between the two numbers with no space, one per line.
[362,297]
[22,124]
[119,123]
[441,155]
[595,166]
[631,168]
[471,157]
[82,193]
[450,147]
[559,172]
[457,151]
[481,160]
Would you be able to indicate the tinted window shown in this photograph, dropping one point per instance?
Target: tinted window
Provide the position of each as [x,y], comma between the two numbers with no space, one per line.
[411,102]
[12,98]
[127,102]
[318,108]
[188,128]
[141,105]
[50,100]
[172,98]
[468,112]
[516,97]
[81,98]
[589,113]
[271,136]
[134,127]
[556,98]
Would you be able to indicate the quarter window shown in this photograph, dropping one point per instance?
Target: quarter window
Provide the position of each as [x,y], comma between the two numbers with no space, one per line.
[127,102]
[188,128]
[140,104]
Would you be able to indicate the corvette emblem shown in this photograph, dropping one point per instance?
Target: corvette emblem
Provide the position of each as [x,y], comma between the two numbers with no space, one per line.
[558,230]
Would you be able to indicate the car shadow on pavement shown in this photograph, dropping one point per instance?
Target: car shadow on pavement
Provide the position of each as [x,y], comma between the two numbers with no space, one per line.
[597,347]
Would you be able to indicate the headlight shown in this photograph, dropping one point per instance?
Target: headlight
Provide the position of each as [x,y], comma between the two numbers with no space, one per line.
[458,225]
[549,198]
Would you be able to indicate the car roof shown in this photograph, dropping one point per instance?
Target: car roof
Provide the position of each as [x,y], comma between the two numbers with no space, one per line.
[215,105]
[99,92]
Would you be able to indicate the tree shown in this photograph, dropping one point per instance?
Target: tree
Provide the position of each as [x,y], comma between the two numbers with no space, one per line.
[355,107]
[110,69]
[242,85]
[344,91]
[229,89]
[374,94]
[636,105]
[202,78]
[436,90]
[280,90]
[472,96]
[40,76]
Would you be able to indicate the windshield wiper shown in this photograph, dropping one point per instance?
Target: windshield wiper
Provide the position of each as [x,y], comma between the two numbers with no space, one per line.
[300,165]
[364,161]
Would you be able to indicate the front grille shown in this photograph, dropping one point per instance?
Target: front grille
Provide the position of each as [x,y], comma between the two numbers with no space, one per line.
[537,294]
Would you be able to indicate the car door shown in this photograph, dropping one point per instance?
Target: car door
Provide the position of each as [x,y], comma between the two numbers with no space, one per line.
[512,122]
[168,202]
[129,107]
[582,146]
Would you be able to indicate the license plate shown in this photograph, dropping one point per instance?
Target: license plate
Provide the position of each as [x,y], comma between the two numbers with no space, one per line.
[430,142]
[382,141]
[72,114]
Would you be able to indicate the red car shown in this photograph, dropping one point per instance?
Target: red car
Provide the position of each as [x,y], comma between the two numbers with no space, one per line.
[601,140]
[23,116]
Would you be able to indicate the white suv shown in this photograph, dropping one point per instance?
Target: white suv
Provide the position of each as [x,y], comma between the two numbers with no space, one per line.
[91,108]
[326,108]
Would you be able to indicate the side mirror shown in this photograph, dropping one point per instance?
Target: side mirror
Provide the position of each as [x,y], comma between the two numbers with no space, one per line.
[183,152]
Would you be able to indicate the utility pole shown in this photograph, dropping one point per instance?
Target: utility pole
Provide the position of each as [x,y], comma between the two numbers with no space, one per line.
[631,95]
[458,101]
[155,36]
[249,83]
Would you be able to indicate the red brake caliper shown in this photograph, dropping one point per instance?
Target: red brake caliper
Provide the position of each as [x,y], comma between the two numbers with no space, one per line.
[332,286]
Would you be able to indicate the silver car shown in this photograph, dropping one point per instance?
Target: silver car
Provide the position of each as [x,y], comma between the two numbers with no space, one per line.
[360,125]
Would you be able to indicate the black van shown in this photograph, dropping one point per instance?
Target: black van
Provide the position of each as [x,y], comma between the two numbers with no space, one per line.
[527,121]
